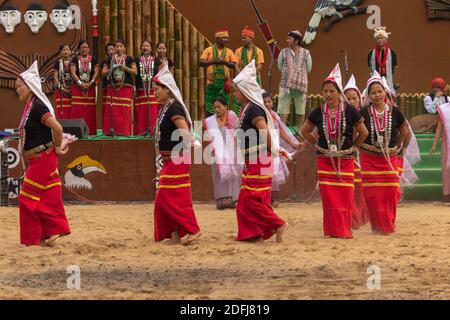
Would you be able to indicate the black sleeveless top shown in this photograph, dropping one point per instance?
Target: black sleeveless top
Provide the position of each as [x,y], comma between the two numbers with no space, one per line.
[248,135]
[398,121]
[167,126]
[352,119]
[36,133]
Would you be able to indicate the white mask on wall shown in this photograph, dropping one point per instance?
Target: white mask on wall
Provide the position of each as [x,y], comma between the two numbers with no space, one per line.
[9,19]
[35,19]
[61,19]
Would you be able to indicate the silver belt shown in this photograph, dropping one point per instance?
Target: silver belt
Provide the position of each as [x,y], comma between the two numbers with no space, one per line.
[38,149]
[370,148]
[339,153]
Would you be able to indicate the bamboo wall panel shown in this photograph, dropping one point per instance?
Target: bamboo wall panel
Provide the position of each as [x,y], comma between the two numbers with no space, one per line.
[158,20]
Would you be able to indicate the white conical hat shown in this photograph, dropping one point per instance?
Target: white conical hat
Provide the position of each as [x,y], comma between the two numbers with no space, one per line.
[386,85]
[166,78]
[33,81]
[247,84]
[336,77]
[374,78]
[351,85]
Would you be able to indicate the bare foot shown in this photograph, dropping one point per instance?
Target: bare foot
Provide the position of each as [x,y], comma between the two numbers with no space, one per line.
[281,231]
[51,242]
[175,238]
[191,238]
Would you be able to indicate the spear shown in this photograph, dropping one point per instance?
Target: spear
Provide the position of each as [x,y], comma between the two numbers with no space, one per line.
[267,33]
[346,64]
[270,40]
[95,33]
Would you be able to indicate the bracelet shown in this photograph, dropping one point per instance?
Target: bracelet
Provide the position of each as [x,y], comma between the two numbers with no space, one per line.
[79,82]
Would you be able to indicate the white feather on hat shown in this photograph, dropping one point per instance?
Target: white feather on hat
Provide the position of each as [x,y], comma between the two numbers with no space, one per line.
[247,84]
[33,81]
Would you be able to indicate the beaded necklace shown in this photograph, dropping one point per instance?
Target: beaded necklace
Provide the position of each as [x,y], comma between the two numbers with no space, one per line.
[383,135]
[380,134]
[147,70]
[335,137]
[62,78]
[85,68]
[119,75]
[23,122]
[159,120]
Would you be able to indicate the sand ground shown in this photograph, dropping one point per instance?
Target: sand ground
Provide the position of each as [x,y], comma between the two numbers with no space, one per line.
[113,247]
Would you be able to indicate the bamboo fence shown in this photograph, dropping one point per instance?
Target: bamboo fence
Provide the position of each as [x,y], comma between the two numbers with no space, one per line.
[157,20]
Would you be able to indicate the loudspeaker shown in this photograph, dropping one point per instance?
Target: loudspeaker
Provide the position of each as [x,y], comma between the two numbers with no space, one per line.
[76,127]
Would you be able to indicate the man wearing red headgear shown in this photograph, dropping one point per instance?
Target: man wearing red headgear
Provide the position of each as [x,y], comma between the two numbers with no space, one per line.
[249,52]
[427,122]
[437,96]
[219,61]
[246,54]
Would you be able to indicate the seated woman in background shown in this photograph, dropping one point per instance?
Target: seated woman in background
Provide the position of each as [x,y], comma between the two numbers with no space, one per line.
[226,172]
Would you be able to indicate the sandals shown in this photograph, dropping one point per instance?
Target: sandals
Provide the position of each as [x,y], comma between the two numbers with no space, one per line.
[222,204]
[225,203]
[232,204]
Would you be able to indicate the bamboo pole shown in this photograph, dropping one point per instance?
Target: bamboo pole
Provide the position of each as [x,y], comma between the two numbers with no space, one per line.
[155,8]
[106,21]
[163,21]
[401,103]
[201,79]
[175,45]
[408,106]
[419,104]
[186,71]
[114,19]
[137,25]
[194,72]
[122,19]
[130,27]
[171,35]
[147,23]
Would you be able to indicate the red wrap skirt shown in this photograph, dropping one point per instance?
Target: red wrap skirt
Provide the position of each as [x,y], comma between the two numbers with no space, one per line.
[337,193]
[41,208]
[360,210]
[84,106]
[145,112]
[173,203]
[381,188]
[122,105]
[63,104]
[255,216]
